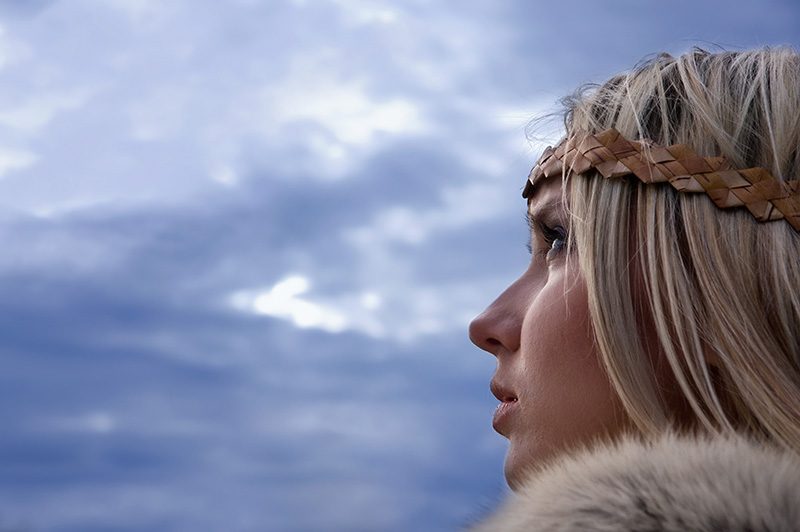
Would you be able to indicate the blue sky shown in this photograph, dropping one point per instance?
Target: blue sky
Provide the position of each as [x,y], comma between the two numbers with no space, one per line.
[242,241]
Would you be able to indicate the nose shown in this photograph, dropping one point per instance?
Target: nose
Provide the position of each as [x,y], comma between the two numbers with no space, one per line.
[497,329]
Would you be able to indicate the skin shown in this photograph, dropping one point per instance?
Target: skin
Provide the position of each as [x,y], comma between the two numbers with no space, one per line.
[553,389]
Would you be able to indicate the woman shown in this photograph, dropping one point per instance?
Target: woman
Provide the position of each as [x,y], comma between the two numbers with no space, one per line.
[648,360]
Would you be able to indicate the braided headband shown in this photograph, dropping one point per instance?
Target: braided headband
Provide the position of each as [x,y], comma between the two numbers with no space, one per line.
[613,155]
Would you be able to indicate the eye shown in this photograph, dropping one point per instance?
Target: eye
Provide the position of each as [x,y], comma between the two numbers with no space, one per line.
[544,239]
[555,239]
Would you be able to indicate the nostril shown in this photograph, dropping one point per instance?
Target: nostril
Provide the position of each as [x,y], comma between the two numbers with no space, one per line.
[477,331]
[492,331]
[497,328]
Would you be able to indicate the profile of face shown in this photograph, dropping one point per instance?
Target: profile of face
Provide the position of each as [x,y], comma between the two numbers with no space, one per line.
[552,388]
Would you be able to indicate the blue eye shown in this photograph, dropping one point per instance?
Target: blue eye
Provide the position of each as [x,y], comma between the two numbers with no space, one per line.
[555,238]
[545,239]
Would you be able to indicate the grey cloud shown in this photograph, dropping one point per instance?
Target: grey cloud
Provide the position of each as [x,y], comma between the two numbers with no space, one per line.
[134,395]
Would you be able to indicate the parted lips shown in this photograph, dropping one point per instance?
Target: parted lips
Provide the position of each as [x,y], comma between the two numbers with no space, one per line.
[612,155]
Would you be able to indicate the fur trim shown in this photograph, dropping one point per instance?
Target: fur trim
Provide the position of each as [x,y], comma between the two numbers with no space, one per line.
[675,484]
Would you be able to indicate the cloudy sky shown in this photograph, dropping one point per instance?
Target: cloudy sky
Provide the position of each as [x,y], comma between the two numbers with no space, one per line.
[242,241]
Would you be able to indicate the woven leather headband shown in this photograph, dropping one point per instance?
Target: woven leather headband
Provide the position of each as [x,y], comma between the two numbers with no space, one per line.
[613,155]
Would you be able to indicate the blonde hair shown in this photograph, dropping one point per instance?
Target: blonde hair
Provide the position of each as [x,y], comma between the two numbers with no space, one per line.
[720,290]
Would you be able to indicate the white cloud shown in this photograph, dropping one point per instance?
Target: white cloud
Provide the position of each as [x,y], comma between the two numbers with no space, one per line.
[371,300]
[360,12]
[344,108]
[97,422]
[15,159]
[224,174]
[32,115]
[283,301]
[391,310]
[144,13]
[68,207]
[397,309]
[461,206]
[11,51]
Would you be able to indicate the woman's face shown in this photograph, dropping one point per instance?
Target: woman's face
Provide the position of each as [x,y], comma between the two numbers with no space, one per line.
[552,388]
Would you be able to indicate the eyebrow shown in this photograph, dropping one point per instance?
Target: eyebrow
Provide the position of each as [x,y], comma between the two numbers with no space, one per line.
[537,215]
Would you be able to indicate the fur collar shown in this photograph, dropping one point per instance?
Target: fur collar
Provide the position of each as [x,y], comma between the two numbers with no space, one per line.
[675,484]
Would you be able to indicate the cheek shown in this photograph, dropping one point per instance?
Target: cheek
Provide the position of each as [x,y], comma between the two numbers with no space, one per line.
[566,395]
[557,334]
[562,364]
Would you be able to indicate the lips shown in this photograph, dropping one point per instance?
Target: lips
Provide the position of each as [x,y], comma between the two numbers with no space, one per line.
[504,411]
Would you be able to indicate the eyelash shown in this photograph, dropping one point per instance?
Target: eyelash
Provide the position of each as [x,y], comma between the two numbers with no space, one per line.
[554,237]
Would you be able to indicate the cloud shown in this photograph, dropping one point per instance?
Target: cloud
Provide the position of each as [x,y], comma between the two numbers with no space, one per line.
[460,207]
[242,243]
[98,422]
[24,9]
[281,415]
[334,315]
[342,108]
[30,116]
[360,12]
[143,13]
[282,301]
[14,159]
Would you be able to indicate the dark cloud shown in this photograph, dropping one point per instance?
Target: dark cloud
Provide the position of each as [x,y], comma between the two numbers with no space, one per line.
[134,394]
[29,8]
[221,402]
[124,375]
